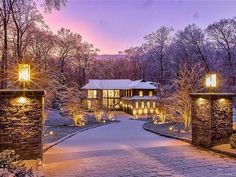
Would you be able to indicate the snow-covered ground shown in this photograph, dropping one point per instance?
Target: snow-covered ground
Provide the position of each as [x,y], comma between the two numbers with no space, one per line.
[54,118]
[125,149]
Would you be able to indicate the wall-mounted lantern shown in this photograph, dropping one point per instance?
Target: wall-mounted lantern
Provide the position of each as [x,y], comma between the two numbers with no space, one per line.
[24,72]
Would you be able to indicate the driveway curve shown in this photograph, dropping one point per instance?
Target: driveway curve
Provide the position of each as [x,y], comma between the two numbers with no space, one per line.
[125,149]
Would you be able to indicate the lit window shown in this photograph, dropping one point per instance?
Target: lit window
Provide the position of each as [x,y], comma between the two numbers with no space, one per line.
[150,93]
[104,93]
[142,105]
[117,93]
[136,104]
[148,104]
[140,93]
[154,104]
[92,93]
[111,93]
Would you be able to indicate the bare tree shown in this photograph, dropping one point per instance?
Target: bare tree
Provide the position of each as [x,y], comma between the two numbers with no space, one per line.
[5,10]
[193,39]
[188,81]
[25,16]
[157,45]
[223,33]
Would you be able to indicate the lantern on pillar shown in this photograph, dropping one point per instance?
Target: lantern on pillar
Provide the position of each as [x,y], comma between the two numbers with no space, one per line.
[24,72]
[211,80]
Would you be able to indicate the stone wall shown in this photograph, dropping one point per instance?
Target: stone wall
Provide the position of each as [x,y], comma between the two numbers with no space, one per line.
[21,122]
[212,119]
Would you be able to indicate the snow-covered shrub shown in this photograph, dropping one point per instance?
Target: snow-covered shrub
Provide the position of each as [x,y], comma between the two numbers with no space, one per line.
[188,81]
[232,140]
[10,165]
[99,115]
[111,115]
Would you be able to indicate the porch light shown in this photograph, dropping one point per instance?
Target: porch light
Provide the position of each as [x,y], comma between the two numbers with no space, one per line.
[211,80]
[24,72]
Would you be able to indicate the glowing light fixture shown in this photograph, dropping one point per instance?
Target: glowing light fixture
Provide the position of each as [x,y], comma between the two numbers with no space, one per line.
[24,72]
[211,80]
[22,100]
[51,133]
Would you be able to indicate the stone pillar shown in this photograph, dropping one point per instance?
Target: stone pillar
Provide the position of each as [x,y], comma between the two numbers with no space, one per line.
[21,122]
[212,118]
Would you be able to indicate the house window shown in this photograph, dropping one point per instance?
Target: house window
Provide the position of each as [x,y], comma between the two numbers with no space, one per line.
[104,93]
[140,93]
[150,93]
[148,104]
[136,104]
[142,105]
[92,93]
[117,93]
[154,104]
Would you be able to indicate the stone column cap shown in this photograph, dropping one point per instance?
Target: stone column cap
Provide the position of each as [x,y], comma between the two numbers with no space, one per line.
[26,92]
[212,94]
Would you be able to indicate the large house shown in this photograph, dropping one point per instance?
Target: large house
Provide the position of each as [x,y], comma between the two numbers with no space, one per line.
[134,97]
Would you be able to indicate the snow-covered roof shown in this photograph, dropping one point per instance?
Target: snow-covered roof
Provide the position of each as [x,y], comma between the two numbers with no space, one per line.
[119,84]
[141,84]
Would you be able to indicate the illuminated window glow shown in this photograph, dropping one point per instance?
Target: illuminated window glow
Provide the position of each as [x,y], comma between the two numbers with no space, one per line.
[92,93]
[142,104]
[150,93]
[140,93]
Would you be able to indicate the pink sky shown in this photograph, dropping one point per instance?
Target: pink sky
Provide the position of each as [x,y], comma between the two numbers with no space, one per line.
[115,25]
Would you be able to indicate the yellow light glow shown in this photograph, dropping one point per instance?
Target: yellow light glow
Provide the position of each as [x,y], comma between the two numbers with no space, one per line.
[140,111]
[151,110]
[145,111]
[22,100]
[24,72]
[51,133]
[211,80]
[134,112]
[156,110]
[170,128]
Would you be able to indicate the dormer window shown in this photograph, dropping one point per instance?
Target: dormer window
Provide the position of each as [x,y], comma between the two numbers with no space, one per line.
[140,93]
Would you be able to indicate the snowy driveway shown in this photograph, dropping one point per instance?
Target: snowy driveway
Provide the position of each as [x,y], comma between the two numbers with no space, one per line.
[125,149]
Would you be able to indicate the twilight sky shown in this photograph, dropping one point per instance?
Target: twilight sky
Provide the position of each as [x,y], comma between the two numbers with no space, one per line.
[115,25]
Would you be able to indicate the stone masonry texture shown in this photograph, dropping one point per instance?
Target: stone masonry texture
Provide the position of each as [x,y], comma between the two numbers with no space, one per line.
[21,117]
[212,119]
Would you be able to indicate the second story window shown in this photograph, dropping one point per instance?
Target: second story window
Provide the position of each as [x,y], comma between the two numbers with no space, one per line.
[92,93]
[140,93]
[150,93]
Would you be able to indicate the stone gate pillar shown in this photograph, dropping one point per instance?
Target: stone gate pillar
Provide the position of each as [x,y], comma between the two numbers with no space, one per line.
[21,122]
[212,118]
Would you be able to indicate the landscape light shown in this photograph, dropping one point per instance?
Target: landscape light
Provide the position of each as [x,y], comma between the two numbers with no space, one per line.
[22,100]
[24,72]
[211,80]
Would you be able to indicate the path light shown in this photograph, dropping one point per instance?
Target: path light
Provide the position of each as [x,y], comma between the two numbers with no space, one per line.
[51,133]
[24,72]
[211,80]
